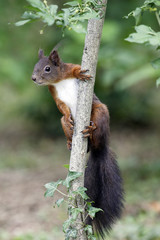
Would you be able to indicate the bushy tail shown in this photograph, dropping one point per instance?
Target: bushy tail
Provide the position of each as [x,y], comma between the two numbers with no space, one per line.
[104,184]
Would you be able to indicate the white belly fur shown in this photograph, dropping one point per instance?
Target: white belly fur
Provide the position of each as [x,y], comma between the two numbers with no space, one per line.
[67,91]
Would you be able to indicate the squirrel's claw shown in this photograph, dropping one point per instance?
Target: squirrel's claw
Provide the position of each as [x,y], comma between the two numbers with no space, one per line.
[69,145]
[88,131]
[69,122]
[70,119]
[83,76]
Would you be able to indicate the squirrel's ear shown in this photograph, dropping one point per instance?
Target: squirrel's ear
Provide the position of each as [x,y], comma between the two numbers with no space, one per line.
[40,54]
[54,57]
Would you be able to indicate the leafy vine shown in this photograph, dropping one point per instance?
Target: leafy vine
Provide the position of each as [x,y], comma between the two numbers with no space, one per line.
[74,210]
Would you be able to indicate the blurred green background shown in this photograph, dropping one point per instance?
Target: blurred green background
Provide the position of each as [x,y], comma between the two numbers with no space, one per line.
[32,145]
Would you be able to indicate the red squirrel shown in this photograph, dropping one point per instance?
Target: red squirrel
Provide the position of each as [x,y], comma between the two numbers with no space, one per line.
[102,175]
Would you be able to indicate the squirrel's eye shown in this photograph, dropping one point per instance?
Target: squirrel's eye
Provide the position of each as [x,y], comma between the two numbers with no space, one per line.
[47,69]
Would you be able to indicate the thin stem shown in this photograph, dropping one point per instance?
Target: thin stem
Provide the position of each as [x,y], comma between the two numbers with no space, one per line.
[86,217]
[62,193]
[46,4]
[66,196]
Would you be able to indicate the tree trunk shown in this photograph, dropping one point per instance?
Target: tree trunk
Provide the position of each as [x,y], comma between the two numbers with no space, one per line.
[85,96]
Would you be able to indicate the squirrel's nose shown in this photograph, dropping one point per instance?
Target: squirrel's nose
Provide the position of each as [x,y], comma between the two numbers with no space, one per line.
[34,78]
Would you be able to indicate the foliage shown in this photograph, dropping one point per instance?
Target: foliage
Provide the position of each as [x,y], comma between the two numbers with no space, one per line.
[73,210]
[149,5]
[124,76]
[145,34]
[70,17]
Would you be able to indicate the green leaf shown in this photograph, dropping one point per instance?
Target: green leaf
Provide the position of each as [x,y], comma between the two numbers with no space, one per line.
[88,229]
[157,3]
[66,166]
[46,18]
[90,15]
[66,15]
[51,188]
[75,212]
[49,20]
[73,3]
[67,224]
[33,8]
[86,16]
[53,9]
[78,28]
[60,24]
[156,63]
[81,191]
[22,22]
[29,15]
[71,176]
[158,82]
[137,15]
[71,233]
[92,211]
[37,4]
[59,201]
[145,34]
[89,203]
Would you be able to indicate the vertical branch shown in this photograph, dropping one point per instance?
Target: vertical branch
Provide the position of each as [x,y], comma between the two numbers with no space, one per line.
[85,95]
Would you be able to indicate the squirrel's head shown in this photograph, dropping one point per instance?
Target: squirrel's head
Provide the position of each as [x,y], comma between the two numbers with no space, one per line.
[47,70]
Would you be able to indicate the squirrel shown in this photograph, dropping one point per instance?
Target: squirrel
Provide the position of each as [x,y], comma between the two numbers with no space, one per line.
[102,175]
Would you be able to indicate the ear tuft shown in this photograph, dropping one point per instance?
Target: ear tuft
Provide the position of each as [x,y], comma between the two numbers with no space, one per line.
[54,57]
[40,54]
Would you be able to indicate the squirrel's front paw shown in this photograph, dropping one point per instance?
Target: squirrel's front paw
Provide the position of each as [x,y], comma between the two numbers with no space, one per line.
[83,76]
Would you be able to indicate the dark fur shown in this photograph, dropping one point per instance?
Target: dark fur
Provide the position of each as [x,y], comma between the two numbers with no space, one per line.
[103,180]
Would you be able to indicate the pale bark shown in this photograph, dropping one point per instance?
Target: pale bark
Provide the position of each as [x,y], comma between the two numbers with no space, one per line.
[85,95]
